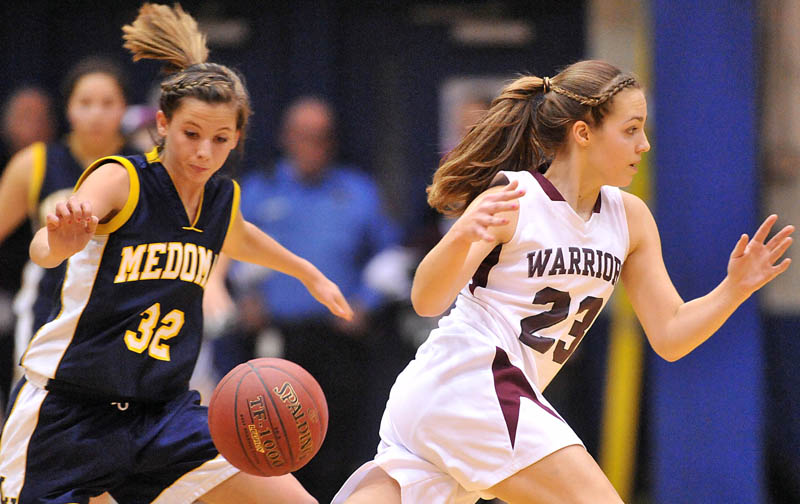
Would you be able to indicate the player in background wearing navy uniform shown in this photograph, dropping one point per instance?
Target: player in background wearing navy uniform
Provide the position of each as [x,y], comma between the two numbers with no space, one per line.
[543,235]
[105,403]
[25,117]
[43,173]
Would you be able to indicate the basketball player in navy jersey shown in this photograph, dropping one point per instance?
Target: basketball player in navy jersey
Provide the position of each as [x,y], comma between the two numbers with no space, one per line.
[43,173]
[104,405]
[543,235]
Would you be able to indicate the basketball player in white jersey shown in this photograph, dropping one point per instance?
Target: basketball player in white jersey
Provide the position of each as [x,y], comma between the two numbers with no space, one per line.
[544,234]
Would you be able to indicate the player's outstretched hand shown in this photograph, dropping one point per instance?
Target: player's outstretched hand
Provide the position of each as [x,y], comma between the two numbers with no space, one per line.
[328,293]
[475,224]
[754,263]
[71,227]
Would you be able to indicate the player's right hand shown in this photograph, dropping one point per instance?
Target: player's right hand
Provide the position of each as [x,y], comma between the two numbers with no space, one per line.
[70,227]
[483,215]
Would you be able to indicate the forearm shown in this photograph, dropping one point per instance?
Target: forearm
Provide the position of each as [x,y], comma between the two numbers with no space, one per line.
[248,243]
[439,277]
[696,320]
[260,248]
[41,253]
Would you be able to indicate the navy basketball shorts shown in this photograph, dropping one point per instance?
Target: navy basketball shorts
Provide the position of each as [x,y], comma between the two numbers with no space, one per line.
[56,449]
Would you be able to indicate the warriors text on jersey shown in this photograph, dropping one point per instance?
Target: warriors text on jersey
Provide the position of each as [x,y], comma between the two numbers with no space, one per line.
[540,292]
[130,310]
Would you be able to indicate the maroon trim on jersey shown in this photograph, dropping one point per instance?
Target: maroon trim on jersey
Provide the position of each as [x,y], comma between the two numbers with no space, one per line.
[548,187]
[481,276]
[510,384]
[551,191]
[598,203]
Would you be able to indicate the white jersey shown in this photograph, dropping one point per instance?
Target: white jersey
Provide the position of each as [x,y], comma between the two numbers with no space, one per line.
[539,293]
[468,411]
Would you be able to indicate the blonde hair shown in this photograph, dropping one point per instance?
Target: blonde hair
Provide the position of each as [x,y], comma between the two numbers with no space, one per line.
[524,128]
[171,35]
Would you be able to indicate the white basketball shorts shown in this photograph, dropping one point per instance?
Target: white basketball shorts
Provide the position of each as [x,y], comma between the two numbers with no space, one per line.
[462,417]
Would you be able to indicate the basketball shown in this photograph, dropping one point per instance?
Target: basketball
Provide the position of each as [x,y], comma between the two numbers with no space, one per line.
[268,417]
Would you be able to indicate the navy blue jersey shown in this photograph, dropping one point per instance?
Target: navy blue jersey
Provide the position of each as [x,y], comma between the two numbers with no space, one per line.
[55,171]
[129,320]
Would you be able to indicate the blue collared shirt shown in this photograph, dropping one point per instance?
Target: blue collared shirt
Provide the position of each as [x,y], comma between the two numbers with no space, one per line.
[337,223]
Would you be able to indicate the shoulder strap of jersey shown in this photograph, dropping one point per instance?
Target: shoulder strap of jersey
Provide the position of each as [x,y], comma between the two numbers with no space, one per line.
[616,207]
[133,192]
[37,177]
[234,207]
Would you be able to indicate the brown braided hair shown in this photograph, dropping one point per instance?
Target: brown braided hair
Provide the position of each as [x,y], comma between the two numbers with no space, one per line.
[524,128]
[170,34]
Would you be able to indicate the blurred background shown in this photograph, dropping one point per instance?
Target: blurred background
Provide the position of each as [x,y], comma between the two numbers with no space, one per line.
[403,80]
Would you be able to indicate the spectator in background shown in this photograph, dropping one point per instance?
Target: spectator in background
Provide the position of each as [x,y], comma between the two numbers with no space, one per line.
[466,114]
[27,117]
[331,214]
[470,112]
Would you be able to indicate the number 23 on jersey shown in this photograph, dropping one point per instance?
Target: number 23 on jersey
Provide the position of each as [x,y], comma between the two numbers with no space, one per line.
[558,312]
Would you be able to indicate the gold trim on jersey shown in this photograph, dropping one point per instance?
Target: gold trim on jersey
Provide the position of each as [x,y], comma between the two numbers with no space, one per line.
[194,227]
[125,213]
[39,150]
[234,207]
[152,156]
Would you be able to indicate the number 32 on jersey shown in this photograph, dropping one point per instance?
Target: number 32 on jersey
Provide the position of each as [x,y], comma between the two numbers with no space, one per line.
[558,312]
[147,339]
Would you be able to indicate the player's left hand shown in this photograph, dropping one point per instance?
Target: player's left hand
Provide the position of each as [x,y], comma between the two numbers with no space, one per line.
[328,293]
[754,263]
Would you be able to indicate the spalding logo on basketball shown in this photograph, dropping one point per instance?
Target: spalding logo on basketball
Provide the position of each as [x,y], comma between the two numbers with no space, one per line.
[268,417]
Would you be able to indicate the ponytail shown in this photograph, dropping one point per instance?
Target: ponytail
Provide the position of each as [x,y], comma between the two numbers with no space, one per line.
[165,33]
[171,35]
[504,140]
[524,128]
